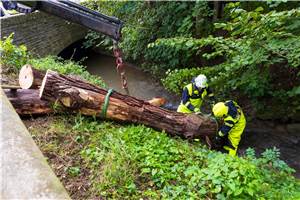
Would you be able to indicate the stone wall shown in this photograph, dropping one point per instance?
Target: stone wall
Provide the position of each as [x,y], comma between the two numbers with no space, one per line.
[43,34]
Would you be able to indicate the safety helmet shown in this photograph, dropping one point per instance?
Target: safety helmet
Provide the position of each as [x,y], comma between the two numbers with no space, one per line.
[220,110]
[201,81]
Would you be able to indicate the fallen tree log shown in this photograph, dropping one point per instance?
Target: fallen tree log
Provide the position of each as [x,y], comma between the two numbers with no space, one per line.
[28,102]
[79,96]
[30,78]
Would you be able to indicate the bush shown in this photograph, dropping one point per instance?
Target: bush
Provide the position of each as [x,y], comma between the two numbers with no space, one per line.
[12,57]
[262,59]
[147,21]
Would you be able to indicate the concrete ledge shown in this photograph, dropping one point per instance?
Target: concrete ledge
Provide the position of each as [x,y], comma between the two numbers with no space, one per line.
[24,172]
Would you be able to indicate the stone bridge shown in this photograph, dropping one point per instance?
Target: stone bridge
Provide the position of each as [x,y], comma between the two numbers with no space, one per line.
[43,34]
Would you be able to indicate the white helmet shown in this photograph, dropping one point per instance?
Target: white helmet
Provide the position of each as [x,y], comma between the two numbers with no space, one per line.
[201,81]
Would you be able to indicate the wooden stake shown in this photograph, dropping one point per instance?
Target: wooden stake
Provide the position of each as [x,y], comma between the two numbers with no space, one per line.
[12,87]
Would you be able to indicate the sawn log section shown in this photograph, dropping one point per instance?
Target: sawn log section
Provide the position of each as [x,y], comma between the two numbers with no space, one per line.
[28,102]
[80,96]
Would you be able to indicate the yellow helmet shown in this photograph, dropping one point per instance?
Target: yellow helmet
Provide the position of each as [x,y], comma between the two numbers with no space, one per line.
[220,110]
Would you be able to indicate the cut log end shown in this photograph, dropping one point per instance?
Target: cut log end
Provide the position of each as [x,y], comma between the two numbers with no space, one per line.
[43,84]
[30,78]
[26,77]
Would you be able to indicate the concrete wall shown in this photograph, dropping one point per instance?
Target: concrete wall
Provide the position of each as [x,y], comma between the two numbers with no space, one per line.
[43,34]
[24,172]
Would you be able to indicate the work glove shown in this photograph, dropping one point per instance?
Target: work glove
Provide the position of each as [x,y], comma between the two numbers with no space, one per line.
[208,115]
[197,110]
[218,142]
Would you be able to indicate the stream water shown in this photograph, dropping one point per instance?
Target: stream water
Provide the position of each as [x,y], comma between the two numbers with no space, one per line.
[141,85]
[258,135]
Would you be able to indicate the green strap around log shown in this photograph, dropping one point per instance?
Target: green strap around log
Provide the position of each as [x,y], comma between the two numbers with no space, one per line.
[106,102]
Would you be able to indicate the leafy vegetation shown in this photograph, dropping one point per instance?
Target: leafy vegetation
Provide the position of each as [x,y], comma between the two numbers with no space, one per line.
[252,51]
[147,21]
[12,57]
[133,162]
[261,59]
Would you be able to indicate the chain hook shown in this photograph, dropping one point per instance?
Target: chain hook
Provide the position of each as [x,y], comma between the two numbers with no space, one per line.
[120,65]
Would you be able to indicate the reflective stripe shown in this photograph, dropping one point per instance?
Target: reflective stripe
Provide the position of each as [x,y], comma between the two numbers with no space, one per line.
[225,129]
[221,134]
[190,106]
[229,123]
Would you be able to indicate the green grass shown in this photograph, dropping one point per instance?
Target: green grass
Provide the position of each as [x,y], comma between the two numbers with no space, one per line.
[133,162]
[66,67]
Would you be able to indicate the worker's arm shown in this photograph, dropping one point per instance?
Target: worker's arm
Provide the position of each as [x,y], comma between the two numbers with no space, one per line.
[223,131]
[225,128]
[186,101]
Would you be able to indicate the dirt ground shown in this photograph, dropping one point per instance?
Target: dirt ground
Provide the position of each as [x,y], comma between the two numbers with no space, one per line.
[62,152]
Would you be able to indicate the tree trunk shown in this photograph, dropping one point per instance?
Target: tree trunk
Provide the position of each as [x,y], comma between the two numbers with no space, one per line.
[28,102]
[79,96]
[30,78]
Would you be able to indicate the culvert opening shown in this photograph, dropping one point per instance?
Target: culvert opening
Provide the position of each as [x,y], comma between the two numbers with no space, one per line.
[76,51]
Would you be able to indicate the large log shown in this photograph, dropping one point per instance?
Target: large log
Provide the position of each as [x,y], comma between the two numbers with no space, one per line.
[80,96]
[28,102]
[31,78]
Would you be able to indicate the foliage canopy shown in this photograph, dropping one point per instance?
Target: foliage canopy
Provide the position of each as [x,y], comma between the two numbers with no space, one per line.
[251,54]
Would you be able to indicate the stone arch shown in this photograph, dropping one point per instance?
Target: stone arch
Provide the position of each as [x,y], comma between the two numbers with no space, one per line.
[43,34]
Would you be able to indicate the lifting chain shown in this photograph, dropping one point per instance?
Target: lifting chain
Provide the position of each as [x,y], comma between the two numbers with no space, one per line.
[120,66]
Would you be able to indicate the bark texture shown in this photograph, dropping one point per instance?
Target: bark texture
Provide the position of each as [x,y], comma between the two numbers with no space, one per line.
[79,96]
[28,102]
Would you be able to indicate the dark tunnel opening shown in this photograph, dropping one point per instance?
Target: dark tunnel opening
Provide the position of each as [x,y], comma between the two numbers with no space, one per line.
[76,51]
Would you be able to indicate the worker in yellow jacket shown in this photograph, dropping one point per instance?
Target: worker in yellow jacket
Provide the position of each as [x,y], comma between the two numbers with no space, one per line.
[229,134]
[193,95]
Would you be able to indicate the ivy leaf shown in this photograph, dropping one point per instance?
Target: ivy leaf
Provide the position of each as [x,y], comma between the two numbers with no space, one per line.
[259,9]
